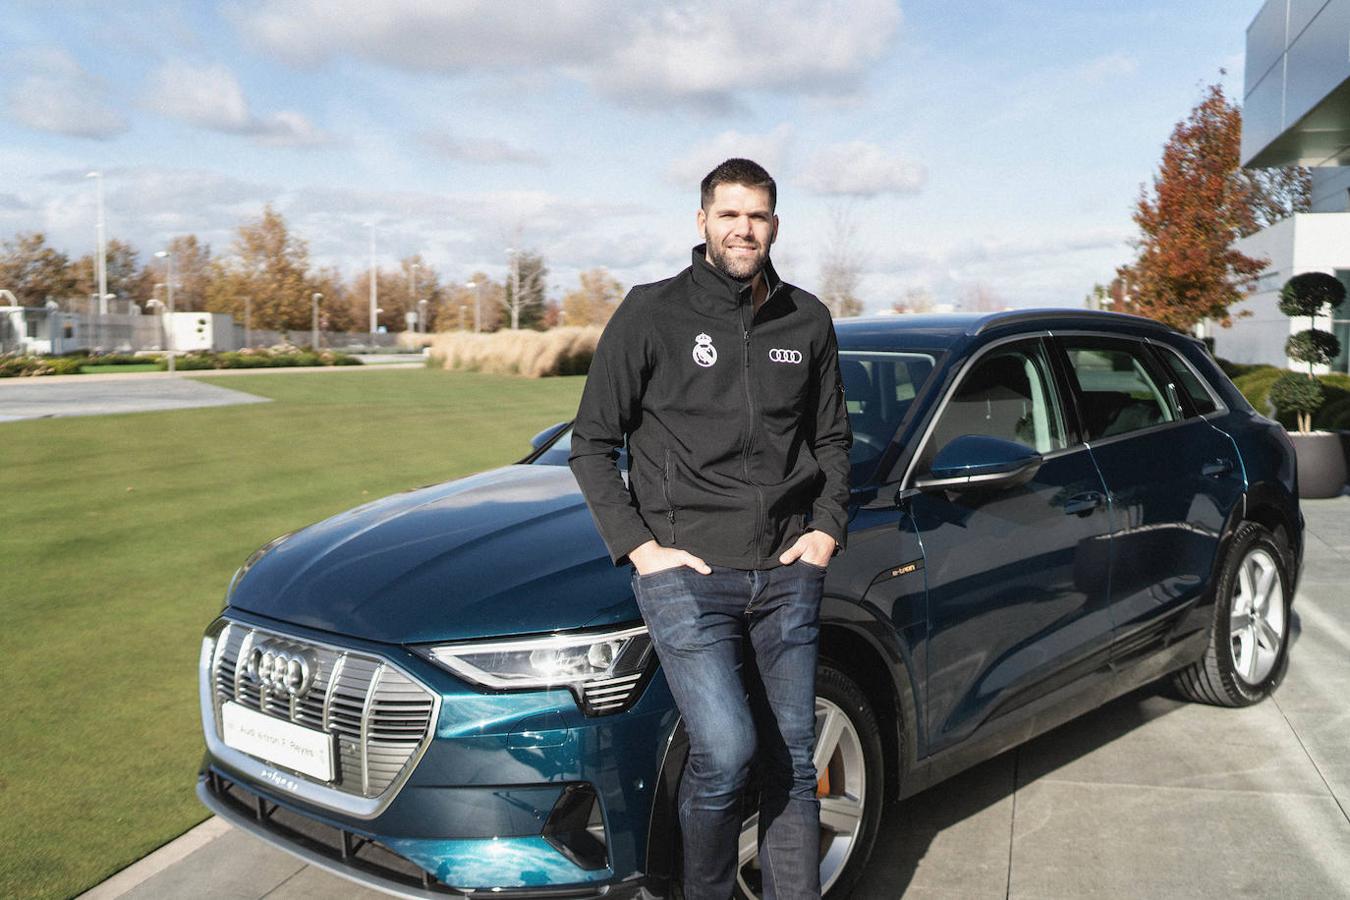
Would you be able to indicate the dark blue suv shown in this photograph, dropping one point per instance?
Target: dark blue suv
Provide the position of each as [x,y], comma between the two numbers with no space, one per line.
[451,689]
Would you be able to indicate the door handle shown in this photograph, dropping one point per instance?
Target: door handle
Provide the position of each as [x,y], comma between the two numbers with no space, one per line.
[1083,504]
[1216,468]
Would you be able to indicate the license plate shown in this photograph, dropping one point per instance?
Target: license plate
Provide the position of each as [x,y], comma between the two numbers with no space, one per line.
[283,743]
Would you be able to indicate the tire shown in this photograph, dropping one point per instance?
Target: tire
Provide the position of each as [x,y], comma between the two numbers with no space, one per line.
[1247,654]
[855,780]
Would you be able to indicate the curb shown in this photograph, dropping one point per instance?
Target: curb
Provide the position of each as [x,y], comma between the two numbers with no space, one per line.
[149,866]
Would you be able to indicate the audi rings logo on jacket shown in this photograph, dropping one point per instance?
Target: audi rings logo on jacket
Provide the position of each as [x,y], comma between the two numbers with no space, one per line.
[288,671]
[785,356]
[705,354]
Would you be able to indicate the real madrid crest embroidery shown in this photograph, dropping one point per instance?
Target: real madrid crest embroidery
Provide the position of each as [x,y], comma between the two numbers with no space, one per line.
[705,354]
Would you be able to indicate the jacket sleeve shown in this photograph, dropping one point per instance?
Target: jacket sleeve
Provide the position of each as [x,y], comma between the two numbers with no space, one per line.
[610,403]
[833,438]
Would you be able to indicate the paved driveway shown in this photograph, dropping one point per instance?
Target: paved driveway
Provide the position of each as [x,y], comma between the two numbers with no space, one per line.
[93,395]
[1146,797]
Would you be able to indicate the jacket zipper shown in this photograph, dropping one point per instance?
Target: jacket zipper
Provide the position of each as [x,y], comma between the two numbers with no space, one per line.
[750,424]
[670,507]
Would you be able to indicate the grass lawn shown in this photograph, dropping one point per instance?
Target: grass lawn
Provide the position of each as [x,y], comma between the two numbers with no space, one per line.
[119,535]
[129,367]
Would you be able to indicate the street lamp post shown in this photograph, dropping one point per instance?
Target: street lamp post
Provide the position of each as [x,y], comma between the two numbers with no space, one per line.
[477,305]
[248,321]
[412,287]
[374,289]
[515,287]
[422,314]
[101,260]
[167,256]
[314,325]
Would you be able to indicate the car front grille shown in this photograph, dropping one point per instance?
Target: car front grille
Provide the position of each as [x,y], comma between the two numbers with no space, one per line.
[380,717]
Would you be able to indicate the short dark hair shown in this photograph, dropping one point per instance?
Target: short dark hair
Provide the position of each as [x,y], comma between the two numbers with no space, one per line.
[738,171]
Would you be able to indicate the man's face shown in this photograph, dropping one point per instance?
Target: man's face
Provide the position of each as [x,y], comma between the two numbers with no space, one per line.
[739,226]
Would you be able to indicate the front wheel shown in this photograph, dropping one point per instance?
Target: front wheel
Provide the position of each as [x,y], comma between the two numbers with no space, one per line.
[1249,640]
[849,784]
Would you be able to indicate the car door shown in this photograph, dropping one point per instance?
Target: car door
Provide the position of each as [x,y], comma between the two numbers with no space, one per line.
[1017,594]
[1172,478]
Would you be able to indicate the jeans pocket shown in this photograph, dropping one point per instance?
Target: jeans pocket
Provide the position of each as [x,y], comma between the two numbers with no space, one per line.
[811,565]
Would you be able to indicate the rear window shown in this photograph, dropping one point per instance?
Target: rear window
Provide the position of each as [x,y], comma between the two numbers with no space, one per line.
[1187,382]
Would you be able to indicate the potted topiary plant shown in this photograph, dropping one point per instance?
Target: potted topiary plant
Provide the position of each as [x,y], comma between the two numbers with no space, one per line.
[1321,461]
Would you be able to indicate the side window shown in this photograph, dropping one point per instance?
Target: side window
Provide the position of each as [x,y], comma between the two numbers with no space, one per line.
[1008,394]
[1119,390]
[1202,401]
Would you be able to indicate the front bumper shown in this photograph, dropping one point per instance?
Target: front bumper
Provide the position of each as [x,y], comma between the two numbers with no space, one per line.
[474,813]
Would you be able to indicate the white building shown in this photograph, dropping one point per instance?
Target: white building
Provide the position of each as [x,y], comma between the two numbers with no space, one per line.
[1296,111]
[38,330]
[1307,242]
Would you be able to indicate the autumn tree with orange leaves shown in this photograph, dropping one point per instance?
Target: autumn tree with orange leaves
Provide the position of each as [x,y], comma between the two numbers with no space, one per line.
[1187,269]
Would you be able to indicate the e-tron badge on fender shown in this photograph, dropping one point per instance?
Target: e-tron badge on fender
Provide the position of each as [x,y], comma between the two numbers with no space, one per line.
[705,354]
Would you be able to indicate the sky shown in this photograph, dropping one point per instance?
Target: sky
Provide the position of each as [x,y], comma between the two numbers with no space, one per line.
[994,145]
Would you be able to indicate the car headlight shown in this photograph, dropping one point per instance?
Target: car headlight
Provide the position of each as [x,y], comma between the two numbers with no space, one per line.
[603,669]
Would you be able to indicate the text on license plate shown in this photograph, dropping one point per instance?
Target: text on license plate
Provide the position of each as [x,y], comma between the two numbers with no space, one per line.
[283,743]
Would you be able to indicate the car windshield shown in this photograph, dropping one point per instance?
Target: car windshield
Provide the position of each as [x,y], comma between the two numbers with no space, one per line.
[879,387]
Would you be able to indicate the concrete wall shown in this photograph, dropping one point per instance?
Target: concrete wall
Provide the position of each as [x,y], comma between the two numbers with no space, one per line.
[1331,189]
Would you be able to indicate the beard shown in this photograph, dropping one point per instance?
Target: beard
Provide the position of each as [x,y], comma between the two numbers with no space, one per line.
[739,267]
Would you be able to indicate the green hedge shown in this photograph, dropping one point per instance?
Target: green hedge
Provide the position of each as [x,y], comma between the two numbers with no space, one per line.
[25,366]
[1333,414]
[260,359]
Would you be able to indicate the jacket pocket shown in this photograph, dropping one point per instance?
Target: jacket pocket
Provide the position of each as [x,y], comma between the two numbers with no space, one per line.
[665,491]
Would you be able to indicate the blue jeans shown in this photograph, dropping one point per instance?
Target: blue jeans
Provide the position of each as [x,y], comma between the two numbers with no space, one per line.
[739,651]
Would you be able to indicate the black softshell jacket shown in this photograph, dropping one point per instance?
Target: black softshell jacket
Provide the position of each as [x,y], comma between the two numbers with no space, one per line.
[738,436]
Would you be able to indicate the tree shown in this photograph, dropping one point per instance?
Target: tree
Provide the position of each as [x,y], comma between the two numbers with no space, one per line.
[270,266]
[528,272]
[1307,295]
[1186,268]
[594,300]
[980,297]
[459,301]
[1275,194]
[914,300]
[35,272]
[841,268]
[127,278]
[339,309]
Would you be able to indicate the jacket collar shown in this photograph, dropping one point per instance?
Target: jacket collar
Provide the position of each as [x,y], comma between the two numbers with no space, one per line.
[724,291]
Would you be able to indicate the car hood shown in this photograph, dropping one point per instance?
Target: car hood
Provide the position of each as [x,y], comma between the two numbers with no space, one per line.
[509,551]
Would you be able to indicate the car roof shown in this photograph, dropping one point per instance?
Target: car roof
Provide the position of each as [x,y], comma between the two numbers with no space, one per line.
[937,331]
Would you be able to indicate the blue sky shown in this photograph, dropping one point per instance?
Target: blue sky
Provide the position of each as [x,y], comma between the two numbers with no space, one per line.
[949,147]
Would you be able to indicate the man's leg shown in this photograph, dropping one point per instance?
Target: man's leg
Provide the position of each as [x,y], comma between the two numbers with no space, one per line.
[784,627]
[696,626]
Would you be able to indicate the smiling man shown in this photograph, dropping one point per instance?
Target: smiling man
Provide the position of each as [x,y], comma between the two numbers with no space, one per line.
[724,380]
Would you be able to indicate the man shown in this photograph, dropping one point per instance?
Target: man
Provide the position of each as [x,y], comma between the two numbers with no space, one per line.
[725,381]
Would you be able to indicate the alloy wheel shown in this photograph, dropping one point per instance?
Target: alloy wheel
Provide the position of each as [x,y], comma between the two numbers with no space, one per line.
[1257,619]
[841,787]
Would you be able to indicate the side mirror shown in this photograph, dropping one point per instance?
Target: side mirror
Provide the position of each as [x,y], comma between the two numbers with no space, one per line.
[979,462]
[547,435]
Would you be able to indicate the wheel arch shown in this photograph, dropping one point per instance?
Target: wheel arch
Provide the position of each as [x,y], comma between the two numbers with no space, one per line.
[883,674]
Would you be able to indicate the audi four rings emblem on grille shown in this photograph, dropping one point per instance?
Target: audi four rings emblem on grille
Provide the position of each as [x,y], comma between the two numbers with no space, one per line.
[786,356]
[278,669]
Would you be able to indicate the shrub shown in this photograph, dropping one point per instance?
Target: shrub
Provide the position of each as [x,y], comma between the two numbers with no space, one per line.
[1296,394]
[1312,345]
[533,354]
[260,359]
[1236,370]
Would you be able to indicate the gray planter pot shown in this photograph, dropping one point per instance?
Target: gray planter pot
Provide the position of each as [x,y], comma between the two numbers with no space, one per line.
[1321,464]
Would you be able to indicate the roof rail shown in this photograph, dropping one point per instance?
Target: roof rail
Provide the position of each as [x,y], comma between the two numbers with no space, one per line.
[1090,315]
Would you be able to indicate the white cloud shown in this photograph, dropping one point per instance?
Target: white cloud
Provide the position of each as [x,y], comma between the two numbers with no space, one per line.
[769,150]
[485,151]
[1103,68]
[862,169]
[56,94]
[699,52]
[211,97]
